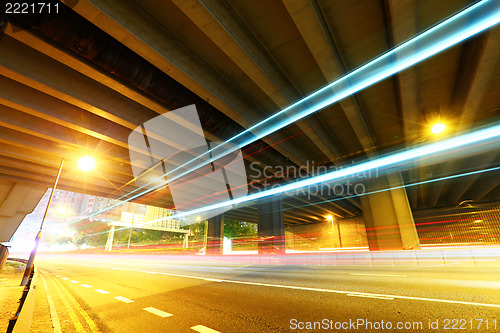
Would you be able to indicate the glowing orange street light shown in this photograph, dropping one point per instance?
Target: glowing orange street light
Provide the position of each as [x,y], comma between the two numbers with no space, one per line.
[86,163]
[438,128]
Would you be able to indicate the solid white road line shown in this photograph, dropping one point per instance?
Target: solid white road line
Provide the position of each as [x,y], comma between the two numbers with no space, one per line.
[203,329]
[369,296]
[102,291]
[157,312]
[124,300]
[86,285]
[213,280]
[373,274]
[74,281]
[443,265]
[437,300]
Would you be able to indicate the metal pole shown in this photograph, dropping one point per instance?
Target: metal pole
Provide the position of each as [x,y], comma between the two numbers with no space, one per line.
[205,240]
[29,265]
[130,233]
[338,228]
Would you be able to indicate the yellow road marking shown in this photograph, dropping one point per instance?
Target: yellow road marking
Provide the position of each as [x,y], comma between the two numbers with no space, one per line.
[53,313]
[71,313]
[93,327]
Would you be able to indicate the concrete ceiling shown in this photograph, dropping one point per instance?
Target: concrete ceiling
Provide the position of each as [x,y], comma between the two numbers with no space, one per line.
[16,200]
[80,81]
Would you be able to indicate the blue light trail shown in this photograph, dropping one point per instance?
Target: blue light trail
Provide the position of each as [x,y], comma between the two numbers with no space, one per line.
[470,173]
[390,162]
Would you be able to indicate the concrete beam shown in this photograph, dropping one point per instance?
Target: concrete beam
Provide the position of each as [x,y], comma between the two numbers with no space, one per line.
[246,46]
[148,38]
[478,58]
[16,201]
[403,24]
[106,79]
[309,19]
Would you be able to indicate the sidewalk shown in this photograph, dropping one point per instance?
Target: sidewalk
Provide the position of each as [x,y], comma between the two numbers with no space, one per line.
[10,292]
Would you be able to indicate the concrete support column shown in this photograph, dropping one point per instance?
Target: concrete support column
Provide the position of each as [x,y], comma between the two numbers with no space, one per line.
[215,234]
[185,241]
[4,254]
[271,227]
[388,218]
[109,242]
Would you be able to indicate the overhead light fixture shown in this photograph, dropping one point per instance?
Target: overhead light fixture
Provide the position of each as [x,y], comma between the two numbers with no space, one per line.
[86,163]
[438,128]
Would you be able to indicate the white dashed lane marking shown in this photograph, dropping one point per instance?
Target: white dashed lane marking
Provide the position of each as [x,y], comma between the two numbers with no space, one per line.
[345,292]
[124,300]
[65,278]
[157,312]
[203,329]
[74,281]
[102,291]
[86,285]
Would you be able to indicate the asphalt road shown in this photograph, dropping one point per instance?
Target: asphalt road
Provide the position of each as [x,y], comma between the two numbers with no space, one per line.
[140,293]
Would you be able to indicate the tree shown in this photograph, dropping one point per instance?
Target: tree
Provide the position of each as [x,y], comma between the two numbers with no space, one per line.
[234,228]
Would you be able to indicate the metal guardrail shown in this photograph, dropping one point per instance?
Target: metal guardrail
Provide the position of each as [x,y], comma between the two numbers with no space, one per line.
[468,223]
[21,322]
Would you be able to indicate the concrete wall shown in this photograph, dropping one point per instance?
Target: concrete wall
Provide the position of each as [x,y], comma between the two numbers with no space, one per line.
[323,235]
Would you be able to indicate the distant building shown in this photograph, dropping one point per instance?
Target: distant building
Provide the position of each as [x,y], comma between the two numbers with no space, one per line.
[80,205]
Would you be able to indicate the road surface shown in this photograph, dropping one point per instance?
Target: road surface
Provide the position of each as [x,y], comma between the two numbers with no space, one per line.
[143,293]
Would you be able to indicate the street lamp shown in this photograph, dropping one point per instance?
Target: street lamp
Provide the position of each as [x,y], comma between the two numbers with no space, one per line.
[438,128]
[85,163]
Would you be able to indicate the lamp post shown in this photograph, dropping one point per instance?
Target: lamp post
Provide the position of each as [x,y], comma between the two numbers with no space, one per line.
[132,226]
[85,163]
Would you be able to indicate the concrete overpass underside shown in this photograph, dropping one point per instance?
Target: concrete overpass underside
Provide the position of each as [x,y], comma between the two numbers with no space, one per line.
[81,81]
